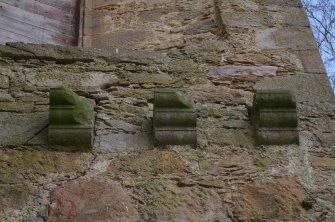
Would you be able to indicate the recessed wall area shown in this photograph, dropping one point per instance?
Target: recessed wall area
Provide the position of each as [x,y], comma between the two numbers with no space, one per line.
[130,24]
[40,21]
[148,24]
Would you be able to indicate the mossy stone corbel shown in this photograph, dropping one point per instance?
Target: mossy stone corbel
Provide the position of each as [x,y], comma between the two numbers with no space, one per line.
[71,120]
[175,119]
[274,117]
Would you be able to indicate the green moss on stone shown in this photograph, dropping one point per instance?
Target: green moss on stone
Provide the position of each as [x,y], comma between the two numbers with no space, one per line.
[262,163]
[169,162]
[205,164]
[32,163]
[160,197]
[237,137]
[134,93]
[16,107]
[154,162]
[186,67]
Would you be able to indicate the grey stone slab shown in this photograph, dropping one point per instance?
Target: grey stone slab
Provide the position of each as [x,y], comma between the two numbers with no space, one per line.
[66,55]
[299,38]
[244,19]
[122,38]
[123,142]
[237,124]
[325,130]
[236,137]
[311,61]
[242,5]
[109,122]
[306,87]
[142,78]
[40,138]
[243,70]
[202,26]
[54,78]
[5,96]
[289,16]
[294,3]
[18,128]
[12,52]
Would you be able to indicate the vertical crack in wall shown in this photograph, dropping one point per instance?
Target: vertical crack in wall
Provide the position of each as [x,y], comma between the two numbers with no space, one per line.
[220,18]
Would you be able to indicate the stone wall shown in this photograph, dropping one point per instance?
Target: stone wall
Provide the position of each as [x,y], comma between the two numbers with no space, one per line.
[217,52]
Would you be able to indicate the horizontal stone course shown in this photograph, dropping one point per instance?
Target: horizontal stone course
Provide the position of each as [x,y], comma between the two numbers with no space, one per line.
[243,70]
[64,55]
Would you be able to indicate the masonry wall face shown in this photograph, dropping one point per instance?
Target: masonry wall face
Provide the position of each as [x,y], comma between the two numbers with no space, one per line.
[216,52]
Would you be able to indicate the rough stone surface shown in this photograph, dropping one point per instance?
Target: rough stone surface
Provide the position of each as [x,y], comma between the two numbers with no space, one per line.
[19,165]
[4,82]
[311,61]
[15,197]
[276,200]
[306,87]
[65,55]
[55,78]
[162,24]
[19,128]
[125,142]
[322,162]
[290,38]
[244,70]
[93,199]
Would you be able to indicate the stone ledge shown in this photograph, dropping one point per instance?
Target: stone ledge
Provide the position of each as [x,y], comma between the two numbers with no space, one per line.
[68,55]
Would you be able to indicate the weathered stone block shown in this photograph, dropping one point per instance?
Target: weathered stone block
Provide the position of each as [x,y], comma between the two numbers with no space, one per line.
[276,136]
[274,117]
[311,61]
[19,128]
[175,119]
[298,38]
[124,142]
[4,82]
[70,119]
[232,70]
[306,87]
[91,199]
[279,3]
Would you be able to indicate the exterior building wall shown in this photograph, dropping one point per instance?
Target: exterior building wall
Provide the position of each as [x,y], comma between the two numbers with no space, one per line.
[216,52]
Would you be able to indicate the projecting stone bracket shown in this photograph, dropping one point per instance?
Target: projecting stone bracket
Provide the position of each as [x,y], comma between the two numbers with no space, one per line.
[175,119]
[274,117]
[71,119]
